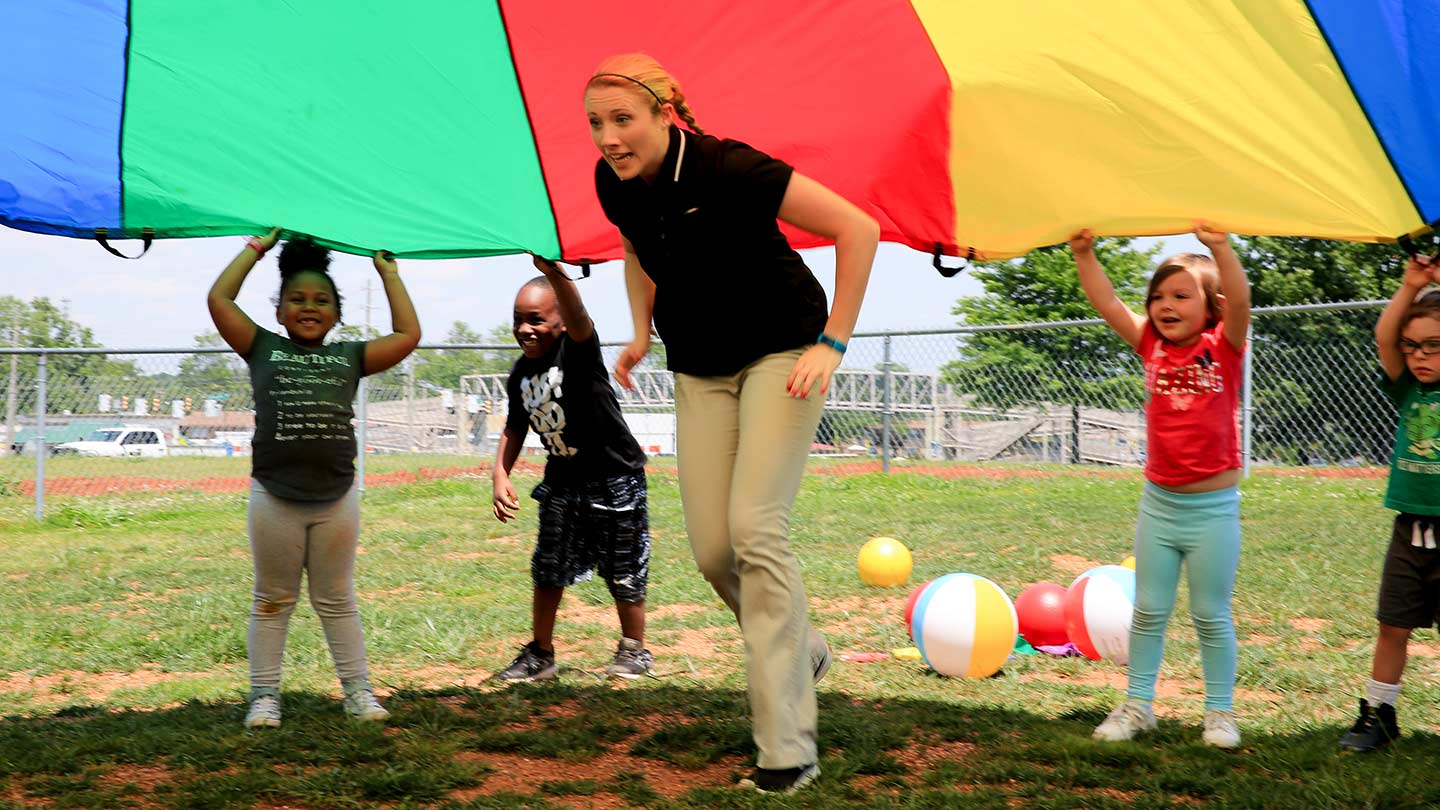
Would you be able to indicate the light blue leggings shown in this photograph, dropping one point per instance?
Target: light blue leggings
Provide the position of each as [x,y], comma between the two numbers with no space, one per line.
[1203,531]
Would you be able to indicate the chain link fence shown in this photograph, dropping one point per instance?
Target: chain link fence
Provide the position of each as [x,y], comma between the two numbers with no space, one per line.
[95,422]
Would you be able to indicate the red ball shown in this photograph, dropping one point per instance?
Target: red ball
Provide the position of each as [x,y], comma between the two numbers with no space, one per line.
[1040,610]
[910,605]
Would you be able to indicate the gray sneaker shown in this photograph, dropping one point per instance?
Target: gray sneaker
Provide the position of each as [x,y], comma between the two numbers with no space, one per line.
[264,712]
[631,660]
[532,664]
[1221,730]
[821,664]
[1128,719]
[362,705]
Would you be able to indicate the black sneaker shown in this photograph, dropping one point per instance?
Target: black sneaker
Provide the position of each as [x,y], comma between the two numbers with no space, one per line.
[631,660]
[1374,729]
[532,664]
[785,780]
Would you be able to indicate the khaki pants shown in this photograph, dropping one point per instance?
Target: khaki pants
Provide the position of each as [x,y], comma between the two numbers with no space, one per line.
[742,442]
[290,538]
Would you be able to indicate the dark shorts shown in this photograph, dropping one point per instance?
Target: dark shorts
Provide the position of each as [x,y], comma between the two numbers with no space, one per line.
[600,525]
[1410,584]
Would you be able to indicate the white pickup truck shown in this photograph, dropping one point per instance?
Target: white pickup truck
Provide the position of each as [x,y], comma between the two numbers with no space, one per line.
[124,440]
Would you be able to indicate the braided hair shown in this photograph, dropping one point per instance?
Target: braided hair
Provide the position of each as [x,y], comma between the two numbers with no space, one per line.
[627,70]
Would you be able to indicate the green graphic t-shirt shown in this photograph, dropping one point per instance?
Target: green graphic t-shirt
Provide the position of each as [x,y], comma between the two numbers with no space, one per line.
[1415,463]
[304,441]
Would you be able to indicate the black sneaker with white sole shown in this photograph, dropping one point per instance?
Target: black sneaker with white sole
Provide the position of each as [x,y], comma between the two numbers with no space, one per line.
[781,780]
[532,664]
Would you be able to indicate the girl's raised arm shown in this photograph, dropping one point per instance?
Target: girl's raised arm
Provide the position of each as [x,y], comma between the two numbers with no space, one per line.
[1128,324]
[384,352]
[1233,283]
[234,326]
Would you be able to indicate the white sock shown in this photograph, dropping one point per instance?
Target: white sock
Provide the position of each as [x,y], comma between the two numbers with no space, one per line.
[1377,693]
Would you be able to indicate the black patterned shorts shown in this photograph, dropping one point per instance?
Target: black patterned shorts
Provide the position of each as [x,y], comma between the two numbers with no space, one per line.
[599,525]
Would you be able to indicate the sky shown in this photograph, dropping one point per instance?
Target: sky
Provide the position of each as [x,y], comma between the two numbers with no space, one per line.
[158,301]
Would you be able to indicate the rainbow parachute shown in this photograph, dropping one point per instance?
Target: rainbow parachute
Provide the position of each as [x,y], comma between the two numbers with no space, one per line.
[435,128]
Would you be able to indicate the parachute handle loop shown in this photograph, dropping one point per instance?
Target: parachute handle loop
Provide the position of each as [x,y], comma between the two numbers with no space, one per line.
[951,272]
[147,237]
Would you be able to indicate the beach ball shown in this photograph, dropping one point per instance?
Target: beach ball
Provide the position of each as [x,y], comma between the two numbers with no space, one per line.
[964,626]
[1098,607]
[1128,562]
[1040,610]
[884,561]
[910,603]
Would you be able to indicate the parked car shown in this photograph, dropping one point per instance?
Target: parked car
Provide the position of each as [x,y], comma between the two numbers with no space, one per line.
[122,440]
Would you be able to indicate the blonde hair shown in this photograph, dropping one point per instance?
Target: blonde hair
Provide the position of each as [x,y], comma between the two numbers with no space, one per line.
[1205,269]
[629,69]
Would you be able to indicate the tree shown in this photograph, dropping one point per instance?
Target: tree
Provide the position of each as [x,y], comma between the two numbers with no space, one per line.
[209,373]
[73,380]
[1088,365]
[1315,396]
[444,367]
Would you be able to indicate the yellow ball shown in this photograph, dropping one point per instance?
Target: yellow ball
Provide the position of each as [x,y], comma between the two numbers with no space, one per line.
[1128,562]
[884,561]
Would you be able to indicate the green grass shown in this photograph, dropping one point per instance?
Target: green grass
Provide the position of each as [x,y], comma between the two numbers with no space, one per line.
[122,662]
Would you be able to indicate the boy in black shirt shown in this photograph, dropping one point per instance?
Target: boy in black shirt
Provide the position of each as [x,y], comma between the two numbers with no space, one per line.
[593,497]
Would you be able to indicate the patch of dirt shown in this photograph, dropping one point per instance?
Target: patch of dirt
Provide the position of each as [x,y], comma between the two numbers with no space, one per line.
[521,774]
[144,777]
[1307,624]
[470,555]
[676,611]
[1116,679]
[435,677]
[402,591]
[1071,564]
[701,652]
[14,795]
[1311,644]
[58,687]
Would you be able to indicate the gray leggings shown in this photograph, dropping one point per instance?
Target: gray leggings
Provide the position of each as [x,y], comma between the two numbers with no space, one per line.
[290,537]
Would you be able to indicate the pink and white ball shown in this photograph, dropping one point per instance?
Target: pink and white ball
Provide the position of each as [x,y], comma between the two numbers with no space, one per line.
[1099,605]
[964,626]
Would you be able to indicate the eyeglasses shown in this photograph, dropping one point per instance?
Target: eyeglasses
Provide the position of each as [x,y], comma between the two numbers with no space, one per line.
[1426,348]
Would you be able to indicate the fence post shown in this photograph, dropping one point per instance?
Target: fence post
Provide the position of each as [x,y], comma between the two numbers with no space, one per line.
[410,402]
[885,410]
[360,433]
[361,394]
[1075,434]
[1247,414]
[41,405]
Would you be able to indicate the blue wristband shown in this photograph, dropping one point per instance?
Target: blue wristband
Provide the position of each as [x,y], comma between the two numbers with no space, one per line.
[826,340]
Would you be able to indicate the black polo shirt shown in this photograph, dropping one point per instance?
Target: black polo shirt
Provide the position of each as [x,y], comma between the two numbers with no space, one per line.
[729,289]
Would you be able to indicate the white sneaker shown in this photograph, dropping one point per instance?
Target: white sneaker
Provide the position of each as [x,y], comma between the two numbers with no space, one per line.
[1128,719]
[1221,730]
[264,712]
[362,705]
